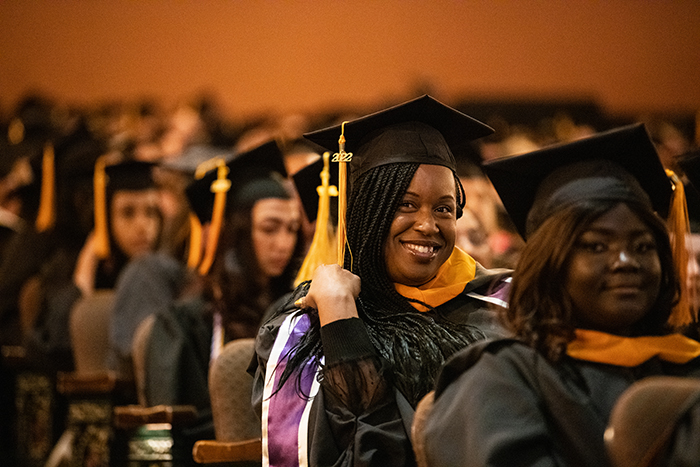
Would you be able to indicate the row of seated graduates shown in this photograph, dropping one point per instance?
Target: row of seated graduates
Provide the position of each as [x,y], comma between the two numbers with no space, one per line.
[58,420]
[52,266]
[37,414]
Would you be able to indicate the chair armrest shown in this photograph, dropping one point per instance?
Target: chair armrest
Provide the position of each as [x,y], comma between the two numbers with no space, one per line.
[132,416]
[211,451]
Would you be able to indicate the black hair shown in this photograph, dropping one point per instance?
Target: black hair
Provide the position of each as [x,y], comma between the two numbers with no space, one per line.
[414,344]
[233,284]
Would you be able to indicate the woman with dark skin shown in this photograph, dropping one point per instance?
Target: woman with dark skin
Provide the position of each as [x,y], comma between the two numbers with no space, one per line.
[338,376]
[589,307]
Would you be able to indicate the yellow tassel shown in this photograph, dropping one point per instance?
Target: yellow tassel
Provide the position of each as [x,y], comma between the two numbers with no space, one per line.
[321,250]
[342,158]
[219,187]
[679,226]
[195,253]
[102,249]
[46,218]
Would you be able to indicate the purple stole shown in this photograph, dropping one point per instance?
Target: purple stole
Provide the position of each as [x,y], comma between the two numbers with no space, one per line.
[285,416]
[498,294]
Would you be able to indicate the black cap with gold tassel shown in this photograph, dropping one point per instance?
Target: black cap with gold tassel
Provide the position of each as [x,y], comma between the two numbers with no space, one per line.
[129,175]
[220,187]
[422,130]
[249,176]
[617,165]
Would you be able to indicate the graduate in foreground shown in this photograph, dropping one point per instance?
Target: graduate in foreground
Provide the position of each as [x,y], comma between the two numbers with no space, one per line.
[595,304]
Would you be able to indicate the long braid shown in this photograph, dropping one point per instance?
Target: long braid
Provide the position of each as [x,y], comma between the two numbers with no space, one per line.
[415,344]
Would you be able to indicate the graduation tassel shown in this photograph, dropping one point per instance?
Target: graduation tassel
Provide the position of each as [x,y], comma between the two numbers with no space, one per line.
[102,249]
[46,217]
[342,158]
[219,187]
[195,249]
[321,250]
[678,226]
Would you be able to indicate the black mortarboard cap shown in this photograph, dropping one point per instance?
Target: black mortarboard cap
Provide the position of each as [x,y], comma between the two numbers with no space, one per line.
[422,130]
[193,156]
[255,174]
[306,181]
[130,175]
[617,164]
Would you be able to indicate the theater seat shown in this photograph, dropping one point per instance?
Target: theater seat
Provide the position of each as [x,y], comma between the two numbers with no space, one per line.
[423,409]
[236,425]
[645,417]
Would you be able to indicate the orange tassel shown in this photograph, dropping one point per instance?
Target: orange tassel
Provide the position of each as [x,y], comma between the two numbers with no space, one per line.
[46,218]
[102,249]
[679,226]
[342,158]
[219,187]
[195,250]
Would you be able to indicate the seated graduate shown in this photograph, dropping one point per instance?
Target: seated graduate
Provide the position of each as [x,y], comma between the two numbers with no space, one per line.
[341,365]
[595,305]
[127,225]
[251,253]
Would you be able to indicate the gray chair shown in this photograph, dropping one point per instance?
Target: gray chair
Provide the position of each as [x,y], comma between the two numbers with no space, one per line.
[425,405]
[236,425]
[645,417]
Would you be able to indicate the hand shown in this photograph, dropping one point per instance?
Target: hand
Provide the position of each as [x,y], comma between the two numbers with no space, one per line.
[86,267]
[333,292]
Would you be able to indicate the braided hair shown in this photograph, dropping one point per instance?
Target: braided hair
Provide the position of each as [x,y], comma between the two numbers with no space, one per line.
[414,344]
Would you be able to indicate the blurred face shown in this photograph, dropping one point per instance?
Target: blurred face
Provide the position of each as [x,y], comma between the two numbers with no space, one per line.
[422,234]
[614,272]
[276,224]
[135,221]
[472,238]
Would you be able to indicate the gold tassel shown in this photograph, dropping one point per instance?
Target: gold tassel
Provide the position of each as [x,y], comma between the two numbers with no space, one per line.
[679,226]
[46,217]
[102,249]
[321,249]
[195,253]
[219,187]
[342,158]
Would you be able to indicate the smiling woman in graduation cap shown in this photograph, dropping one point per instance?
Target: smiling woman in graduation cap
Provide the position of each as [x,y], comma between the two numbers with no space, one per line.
[595,304]
[339,372]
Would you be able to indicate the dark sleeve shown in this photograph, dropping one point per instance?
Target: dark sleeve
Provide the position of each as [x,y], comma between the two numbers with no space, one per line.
[177,357]
[24,255]
[364,424]
[49,343]
[145,286]
[489,415]
[684,444]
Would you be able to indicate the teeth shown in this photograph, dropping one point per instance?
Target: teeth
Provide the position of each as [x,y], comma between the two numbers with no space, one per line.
[423,249]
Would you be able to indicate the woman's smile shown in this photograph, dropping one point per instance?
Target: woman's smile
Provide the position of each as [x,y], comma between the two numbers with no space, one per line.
[422,234]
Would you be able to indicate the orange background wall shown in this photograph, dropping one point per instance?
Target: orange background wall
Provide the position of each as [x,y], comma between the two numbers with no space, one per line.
[630,55]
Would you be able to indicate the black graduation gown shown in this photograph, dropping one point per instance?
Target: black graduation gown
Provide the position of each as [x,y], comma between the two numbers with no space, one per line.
[500,403]
[379,435]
